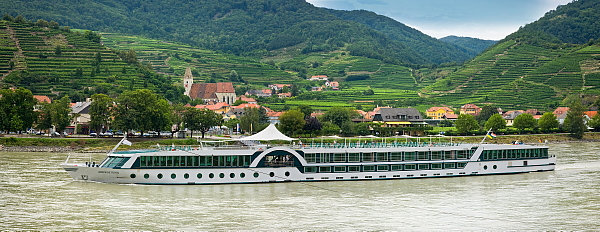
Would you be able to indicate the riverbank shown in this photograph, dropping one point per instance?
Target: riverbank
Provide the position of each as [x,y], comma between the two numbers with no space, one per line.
[86,145]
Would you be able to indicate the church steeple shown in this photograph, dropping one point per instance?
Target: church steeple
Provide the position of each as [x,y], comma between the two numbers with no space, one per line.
[188,80]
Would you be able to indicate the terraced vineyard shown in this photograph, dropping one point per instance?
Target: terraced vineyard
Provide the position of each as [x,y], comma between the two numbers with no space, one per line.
[518,76]
[29,58]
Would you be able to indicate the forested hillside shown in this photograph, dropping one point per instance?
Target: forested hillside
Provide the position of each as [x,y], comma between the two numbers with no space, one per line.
[56,61]
[247,27]
[471,46]
[542,65]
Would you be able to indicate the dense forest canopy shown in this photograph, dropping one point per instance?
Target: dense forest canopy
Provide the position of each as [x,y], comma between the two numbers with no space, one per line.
[247,27]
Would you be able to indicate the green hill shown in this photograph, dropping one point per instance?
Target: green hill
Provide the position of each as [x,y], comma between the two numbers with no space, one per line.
[535,67]
[471,46]
[250,28]
[52,60]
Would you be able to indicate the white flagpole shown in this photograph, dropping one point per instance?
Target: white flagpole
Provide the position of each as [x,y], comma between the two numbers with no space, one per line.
[118,144]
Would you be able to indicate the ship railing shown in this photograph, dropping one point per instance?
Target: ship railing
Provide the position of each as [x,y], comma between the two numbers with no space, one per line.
[198,147]
[379,145]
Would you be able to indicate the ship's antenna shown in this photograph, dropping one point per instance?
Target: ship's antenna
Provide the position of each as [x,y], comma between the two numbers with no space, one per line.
[485,136]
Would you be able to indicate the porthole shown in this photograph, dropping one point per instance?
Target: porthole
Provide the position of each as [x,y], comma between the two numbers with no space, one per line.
[173,176]
[256,174]
[146,176]
[211,175]
[272,174]
[187,176]
[242,175]
[199,175]
[222,175]
[484,167]
[495,166]
[132,176]
[287,173]
[232,175]
[159,175]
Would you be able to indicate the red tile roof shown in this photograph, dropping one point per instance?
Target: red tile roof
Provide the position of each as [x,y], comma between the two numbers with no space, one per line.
[432,109]
[560,110]
[41,98]
[209,90]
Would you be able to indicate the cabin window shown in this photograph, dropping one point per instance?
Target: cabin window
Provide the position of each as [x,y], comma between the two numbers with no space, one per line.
[324,158]
[310,157]
[449,165]
[382,168]
[339,169]
[436,166]
[324,169]
[368,157]
[381,156]
[339,157]
[369,168]
[353,168]
[436,155]
[423,166]
[410,155]
[310,169]
[461,165]
[396,167]
[396,156]
[423,155]
[353,157]
[449,155]
[410,167]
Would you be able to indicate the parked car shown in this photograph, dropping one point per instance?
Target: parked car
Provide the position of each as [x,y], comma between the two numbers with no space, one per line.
[166,134]
[106,134]
[40,133]
[93,134]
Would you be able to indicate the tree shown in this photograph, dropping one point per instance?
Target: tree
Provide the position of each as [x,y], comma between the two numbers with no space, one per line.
[312,125]
[141,110]
[339,115]
[57,50]
[100,111]
[17,109]
[177,112]
[330,129]
[495,122]
[548,121]
[574,123]
[305,109]
[57,114]
[524,121]
[486,112]
[466,123]
[253,119]
[291,122]
[201,119]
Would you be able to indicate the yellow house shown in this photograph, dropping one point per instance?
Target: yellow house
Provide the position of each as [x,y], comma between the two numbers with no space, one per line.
[438,112]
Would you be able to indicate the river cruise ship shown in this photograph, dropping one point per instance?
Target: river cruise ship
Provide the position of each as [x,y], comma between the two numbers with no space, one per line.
[252,162]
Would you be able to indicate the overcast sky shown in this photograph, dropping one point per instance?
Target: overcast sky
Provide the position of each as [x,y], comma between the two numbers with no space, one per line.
[484,19]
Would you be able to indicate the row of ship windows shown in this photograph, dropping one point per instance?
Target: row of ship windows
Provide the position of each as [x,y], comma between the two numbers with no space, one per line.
[385,176]
[210,175]
[387,156]
[383,168]
[195,161]
[514,154]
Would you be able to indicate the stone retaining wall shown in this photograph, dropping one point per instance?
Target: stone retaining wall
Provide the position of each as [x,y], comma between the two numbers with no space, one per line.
[36,149]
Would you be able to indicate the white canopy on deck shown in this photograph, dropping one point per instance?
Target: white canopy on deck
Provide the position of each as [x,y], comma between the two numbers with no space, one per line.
[269,133]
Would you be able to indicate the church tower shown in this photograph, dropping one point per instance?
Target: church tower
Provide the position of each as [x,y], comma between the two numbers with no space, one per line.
[188,80]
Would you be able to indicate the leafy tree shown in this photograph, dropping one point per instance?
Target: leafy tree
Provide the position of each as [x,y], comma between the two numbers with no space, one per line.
[57,50]
[330,129]
[292,122]
[594,122]
[361,128]
[496,122]
[232,124]
[312,125]
[466,123]
[486,112]
[141,110]
[524,121]
[253,119]
[100,112]
[305,109]
[201,119]
[17,109]
[177,113]
[574,123]
[548,121]
[339,115]
[57,114]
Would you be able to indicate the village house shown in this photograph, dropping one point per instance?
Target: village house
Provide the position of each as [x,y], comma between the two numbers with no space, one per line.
[274,117]
[278,87]
[560,110]
[219,108]
[208,92]
[510,116]
[82,111]
[403,118]
[318,78]
[438,112]
[247,99]
[259,92]
[471,109]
